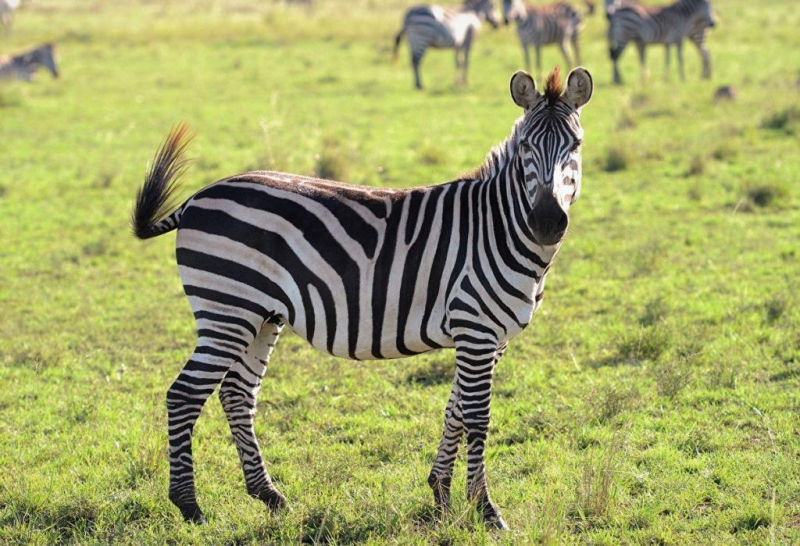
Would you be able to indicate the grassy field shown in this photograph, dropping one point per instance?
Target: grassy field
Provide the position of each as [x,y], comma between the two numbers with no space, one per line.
[654,400]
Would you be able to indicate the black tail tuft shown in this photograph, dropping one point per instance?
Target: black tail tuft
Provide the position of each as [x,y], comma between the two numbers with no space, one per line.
[156,198]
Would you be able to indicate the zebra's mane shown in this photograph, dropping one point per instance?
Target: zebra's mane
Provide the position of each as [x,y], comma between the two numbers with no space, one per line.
[501,154]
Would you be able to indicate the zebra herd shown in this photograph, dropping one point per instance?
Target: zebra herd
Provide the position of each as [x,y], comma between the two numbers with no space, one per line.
[365,274]
[434,26]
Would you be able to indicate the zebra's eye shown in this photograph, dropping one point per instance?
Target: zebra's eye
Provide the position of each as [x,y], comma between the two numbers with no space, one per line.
[576,146]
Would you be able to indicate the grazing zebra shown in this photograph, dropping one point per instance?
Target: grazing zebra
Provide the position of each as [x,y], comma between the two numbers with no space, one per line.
[557,23]
[7,8]
[22,67]
[661,25]
[444,27]
[365,273]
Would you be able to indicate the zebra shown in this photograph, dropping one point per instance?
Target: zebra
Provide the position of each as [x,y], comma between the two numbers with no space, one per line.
[667,25]
[23,66]
[7,8]
[365,274]
[697,35]
[434,26]
[557,23]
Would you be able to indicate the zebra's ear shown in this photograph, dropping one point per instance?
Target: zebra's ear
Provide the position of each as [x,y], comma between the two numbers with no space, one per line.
[523,90]
[579,88]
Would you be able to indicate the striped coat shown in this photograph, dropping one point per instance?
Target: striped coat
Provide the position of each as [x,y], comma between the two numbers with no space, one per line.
[438,27]
[557,23]
[365,273]
[668,25]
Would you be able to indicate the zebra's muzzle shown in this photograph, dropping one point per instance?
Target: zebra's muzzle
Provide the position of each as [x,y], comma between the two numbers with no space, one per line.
[548,221]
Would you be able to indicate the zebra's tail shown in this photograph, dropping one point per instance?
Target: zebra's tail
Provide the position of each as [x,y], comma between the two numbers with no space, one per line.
[397,39]
[156,197]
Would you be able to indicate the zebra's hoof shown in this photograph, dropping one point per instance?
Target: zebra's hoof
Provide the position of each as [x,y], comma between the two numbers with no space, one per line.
[272,498]
[193,514]
[499,524]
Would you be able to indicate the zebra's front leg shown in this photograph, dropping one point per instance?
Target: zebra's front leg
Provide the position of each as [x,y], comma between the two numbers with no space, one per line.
[238,396]
[525,50]
[475,360]
[666,62]
[564,52]
[706,56]
[441,474]
[576,48]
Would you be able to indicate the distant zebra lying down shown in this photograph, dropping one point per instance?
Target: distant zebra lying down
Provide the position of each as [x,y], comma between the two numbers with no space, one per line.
[22,67]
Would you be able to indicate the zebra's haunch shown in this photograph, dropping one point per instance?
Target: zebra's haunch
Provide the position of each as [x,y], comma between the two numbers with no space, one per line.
[434,26]
[557,23]
[367,273]
[631,22]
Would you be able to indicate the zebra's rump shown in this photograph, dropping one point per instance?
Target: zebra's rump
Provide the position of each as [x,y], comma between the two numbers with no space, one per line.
[330,259]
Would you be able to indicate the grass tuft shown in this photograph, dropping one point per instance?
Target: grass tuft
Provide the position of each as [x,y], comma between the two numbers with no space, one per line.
[617,158]
[645,344]
[331,161]
[697,166]
[785,120]
[766,195]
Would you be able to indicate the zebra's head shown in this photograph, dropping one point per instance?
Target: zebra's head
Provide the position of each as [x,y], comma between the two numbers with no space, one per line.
[704,14]
[548,142]
[485,11]
[513,10]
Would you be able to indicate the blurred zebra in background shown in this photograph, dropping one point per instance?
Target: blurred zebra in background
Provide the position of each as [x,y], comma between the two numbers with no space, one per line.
[22,67]
[557,23]
[660,25]
[7,8]
[433,26]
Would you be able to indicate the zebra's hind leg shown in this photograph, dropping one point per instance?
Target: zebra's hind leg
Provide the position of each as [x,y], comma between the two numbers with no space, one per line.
[238,396]
[217,350]
[416,59]
[679,49]
[467,46]
[640,46]
[441,474]
[666,61]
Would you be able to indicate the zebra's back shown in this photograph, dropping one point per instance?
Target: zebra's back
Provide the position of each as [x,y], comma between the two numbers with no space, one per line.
[358,272]
[549,24]
[438,26]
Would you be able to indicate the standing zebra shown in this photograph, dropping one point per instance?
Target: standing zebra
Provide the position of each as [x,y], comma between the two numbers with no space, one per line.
[660,25]
[444,27]
[7,8]
[364,273]
[23,66]
[557,23]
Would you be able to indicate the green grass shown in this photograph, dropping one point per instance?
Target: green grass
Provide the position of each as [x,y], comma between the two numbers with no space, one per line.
[654,400]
